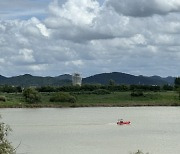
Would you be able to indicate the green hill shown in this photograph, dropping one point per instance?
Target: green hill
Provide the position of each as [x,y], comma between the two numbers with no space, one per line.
[128,79]
[103,78]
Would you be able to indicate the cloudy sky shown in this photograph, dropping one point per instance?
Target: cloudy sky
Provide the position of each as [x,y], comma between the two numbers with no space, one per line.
[53,37]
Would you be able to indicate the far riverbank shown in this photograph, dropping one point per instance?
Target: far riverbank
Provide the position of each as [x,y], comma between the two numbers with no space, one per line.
[114,99]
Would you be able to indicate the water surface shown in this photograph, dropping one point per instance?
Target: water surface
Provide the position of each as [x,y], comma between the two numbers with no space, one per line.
[94,131]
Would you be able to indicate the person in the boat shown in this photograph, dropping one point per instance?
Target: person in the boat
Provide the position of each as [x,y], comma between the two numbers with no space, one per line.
[121,121]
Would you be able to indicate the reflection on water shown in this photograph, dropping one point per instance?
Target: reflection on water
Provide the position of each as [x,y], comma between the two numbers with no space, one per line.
[94,131]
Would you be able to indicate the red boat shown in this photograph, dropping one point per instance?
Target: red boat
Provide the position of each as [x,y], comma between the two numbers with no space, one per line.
[121,122]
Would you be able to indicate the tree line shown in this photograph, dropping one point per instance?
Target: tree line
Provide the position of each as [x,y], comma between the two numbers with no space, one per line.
[88,87]
[91,87]
[177,85]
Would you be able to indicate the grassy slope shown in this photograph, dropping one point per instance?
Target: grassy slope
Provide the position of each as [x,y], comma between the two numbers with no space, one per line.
[113,99]
[124,99]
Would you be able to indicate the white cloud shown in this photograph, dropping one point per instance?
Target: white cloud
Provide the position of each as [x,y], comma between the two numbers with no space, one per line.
[15,9]
[35,68]
[143,8]
[26,55]
[75,11]
[2,60]
[90,38]
[44,31]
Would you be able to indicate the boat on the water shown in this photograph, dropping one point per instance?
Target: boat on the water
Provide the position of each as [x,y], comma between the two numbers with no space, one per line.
[121,122]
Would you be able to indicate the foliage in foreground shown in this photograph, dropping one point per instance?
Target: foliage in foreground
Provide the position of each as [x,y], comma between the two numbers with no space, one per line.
[5,146]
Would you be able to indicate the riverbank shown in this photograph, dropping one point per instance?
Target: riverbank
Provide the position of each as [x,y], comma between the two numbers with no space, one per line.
[115,99]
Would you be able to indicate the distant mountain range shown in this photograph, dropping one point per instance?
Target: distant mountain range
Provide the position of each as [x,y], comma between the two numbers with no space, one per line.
[103,78]
[29,80]
[123,78]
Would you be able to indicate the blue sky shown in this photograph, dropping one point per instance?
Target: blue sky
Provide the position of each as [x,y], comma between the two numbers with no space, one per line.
[53,37]
[25,9]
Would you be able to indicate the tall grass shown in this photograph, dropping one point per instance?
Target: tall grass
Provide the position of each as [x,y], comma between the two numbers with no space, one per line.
[121,99]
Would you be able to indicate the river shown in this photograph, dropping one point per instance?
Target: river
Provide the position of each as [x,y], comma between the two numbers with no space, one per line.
[93,130]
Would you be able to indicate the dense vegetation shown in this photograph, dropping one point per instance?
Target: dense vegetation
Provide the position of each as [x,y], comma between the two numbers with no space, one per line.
[177,82]
[92,87]
[177,85]
[10,89]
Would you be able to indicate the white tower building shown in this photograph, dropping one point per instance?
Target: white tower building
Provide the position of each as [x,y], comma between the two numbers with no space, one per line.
[76,79]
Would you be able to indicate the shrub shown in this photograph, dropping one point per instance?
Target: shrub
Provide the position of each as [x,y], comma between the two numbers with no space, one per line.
[2,99]
[10,89]
[137,93]
[62,97]
[46,89]
[31,95]
[101,92]
[174,104]
[168,87]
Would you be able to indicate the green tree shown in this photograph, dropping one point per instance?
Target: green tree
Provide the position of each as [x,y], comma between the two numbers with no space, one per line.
[178,91]
[177,85]
[5,145]
[167,87]
[112,82]
[46,89]
[177,82]
[31,95]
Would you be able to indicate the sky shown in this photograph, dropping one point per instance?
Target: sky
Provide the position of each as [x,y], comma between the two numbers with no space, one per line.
[55,37]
